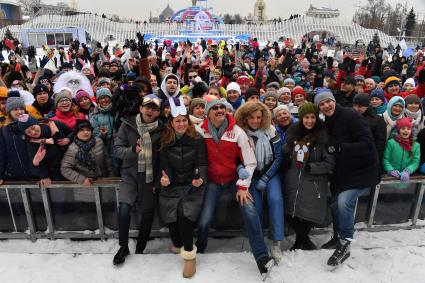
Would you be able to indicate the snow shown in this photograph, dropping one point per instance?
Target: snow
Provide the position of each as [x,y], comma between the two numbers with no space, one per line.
[392,256]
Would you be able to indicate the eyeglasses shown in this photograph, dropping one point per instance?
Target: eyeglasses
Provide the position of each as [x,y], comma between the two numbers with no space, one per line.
[217,107]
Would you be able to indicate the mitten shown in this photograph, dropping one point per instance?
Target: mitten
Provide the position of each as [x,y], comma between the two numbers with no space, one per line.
[262,183]
[242,172]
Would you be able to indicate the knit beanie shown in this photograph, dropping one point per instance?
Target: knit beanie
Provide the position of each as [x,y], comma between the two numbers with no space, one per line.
[212,104]
[391,80]
[361,99]
[307,108]
[379,93]
[195,102]
[3,92]
[82,124]
[404,122]
[103,91]
[298,90]
[273,85]
[25,121]
[103,80]
[412,98]
[39,89]
[410,81]
[14,103]
[283,90]
[252,91]
[323,96]
[280,108]
[359,78]
[233,86]
[377,79]
[62,95]
[288,80]
[80,94]
[270,94]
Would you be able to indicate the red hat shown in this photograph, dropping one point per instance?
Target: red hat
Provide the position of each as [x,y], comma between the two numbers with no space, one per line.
[243,79]
[404,122]
[298,90]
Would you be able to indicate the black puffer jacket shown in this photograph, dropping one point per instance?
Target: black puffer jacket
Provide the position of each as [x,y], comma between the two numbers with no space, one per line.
[356,166]
[379,131]
[179,161]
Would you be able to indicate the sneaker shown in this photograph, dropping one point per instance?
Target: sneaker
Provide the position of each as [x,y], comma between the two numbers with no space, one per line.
[332,243]
[276,251]
[341,253]
[120,256]
[264,264]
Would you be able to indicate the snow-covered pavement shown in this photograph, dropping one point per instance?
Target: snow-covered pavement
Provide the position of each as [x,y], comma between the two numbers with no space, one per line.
[394,256]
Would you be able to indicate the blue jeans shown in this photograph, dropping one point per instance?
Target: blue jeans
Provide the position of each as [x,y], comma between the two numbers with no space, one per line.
[342,206]
[275,202]
[249,215]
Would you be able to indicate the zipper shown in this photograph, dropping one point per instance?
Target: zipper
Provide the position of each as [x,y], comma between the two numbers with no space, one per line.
[296,195]
[316,189]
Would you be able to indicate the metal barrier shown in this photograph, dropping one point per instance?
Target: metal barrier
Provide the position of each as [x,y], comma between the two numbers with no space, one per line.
[35,212]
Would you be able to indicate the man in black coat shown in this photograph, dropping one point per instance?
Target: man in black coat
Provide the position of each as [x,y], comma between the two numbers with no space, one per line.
[356,169]
[345,95]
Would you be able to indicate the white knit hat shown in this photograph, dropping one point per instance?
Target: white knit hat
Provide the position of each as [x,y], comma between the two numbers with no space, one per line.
[233,86]
[280,108]
[410,81]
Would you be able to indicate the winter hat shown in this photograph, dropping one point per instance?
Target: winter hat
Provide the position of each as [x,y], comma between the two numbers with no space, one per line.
[410,81]
[298,90]
[379,93]
[104,80]
[412,98]
[252,91]
[82,124]
[39,89]
[280,108]
[103,91]
[233,86]
[13,93]
[391,80]
[404,122]
[329,74]
[62,95]
[212,104]
[25,121]
[283,90]
[13,103]
[323,96]
[361,99]
[288,80]
[243,79]
[370,81]
[307,108]
[393,101]
[359,78]
[195,102]
[80,94]
[377,79]
[273,85]
[3,92]
[270,94]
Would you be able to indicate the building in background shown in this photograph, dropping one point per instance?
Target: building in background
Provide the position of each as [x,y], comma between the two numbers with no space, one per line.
[323,13]
[260,10]
[10,13]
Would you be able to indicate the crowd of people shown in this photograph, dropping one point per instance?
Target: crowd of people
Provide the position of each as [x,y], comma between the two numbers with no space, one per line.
[181,123]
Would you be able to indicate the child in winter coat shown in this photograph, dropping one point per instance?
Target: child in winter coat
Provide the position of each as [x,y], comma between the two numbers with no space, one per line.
[86,158]
[402,154]
[378,102]
[414,110]
[394,112]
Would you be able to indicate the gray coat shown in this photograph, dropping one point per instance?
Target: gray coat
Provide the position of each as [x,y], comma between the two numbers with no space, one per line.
[179,161]
[76,173]
[306,192]
[125,140]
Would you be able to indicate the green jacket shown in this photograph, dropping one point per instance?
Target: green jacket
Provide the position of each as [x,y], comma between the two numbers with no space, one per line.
[396,158]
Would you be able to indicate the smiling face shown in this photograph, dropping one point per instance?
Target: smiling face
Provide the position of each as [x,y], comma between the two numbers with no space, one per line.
[254,119]
[64,105]
[84,134]
[396,110]
[33,132]
[327,107]
[104,101]
[217,114]
[283,118]
[413,107]
[84,103]
[285,98]
[299,99]
[405,132]
[150,113]
[232,95]
[180,124]
[393,89]
[309,121]
[270,102]
[375,102]
[199,111]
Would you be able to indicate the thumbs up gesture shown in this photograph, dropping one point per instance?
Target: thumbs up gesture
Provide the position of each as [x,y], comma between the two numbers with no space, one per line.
[165,181]
[197,180]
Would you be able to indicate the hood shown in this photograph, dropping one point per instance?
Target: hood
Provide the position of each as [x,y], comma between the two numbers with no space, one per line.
[164,88]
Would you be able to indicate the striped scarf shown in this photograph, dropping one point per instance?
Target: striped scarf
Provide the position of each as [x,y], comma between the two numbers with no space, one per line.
[145,155]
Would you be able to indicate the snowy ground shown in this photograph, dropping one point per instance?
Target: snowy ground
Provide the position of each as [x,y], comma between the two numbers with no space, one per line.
[394,256]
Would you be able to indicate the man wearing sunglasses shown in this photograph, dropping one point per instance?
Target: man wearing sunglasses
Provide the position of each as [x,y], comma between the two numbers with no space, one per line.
[227,146]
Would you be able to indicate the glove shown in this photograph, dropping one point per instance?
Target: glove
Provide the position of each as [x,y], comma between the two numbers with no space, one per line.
[394,173]
[262,183]
[405,176]
[142,46]
[44,61]
[242,172]
[333,148]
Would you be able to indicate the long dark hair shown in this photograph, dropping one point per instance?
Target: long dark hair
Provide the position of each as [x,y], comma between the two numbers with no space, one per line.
[168,137]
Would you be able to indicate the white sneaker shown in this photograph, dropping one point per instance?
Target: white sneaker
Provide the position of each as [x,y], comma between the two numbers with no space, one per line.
[276,251]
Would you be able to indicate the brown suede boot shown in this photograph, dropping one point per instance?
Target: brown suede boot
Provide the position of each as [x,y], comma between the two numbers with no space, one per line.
[189,268]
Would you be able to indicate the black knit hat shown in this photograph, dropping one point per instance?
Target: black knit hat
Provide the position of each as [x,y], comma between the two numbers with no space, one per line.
[252,91]
[361,99]
[39,89]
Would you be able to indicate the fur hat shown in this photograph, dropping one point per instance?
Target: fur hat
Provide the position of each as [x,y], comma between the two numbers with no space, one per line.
[307,108]
[25,121]
[195,102]
[404,122]
[14,103]
[322,96]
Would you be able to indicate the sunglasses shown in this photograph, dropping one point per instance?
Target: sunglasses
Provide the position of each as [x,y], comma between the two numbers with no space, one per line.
[149,100]
[192,77]
[218,107]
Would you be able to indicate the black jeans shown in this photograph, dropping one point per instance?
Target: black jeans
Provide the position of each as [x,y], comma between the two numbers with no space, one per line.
[181,231]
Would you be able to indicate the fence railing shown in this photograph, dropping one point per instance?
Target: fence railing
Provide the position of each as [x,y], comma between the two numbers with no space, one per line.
[66,210]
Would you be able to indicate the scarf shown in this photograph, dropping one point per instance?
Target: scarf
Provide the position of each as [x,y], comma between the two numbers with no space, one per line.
[69,118]
[236,103]
[45,108]
[195,120]
[217,133]
[405,144]
[263,150]
[145,155]
[106,109]
[380,110]
[416,116]
[84,157]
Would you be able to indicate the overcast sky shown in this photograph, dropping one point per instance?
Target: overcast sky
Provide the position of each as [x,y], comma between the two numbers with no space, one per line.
[139,9]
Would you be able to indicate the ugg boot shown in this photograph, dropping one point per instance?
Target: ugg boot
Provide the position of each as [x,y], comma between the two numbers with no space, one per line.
[189,268]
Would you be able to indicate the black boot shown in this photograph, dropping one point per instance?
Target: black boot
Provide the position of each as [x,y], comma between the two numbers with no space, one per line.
[341,253]
[332,243]
[144,231]
[120,256]
[264,264]
[308,245]
[297,245]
